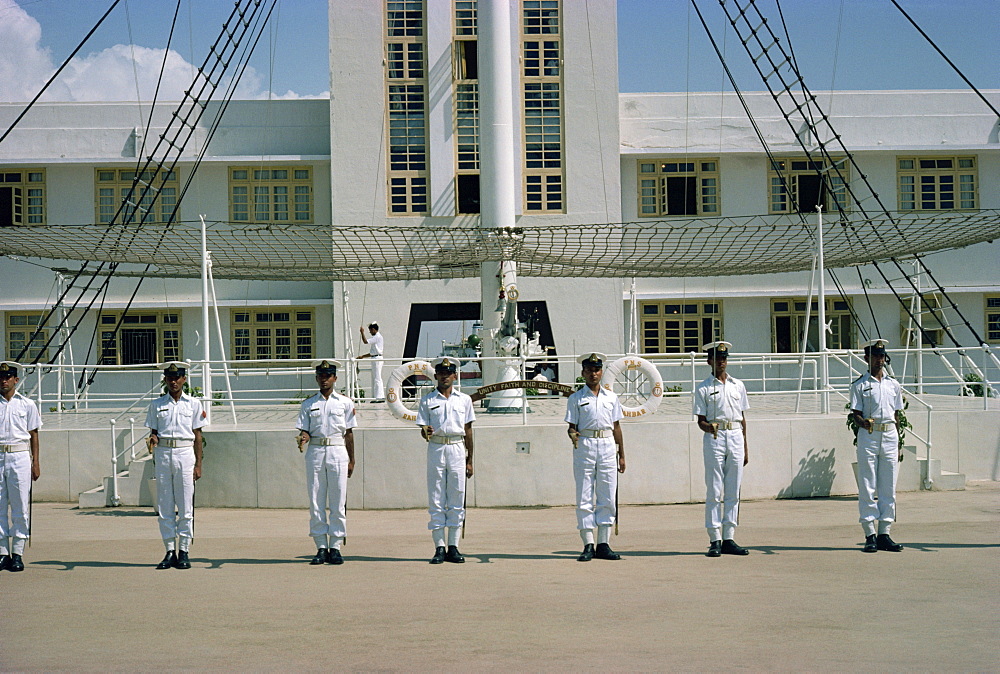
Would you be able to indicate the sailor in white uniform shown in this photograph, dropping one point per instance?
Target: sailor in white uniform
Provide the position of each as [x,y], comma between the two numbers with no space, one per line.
[375,349]
[445,417]
[326,427]
[719,403]
[19,467]
[876,401]
[175,420]
[593,414]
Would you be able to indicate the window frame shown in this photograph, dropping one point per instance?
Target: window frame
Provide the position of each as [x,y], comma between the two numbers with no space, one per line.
[699,310]
[254,323]
[796,316]
[111,349]
[106,206]
[910,181]
[783,183]
[299,191]
[544,185]
[28,328]
[407,174]
[465,95]
[991,314]
[32,207]
[708,197]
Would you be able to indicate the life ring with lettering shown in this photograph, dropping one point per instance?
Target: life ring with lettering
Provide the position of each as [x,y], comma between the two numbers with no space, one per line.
[394,388]
[619,367]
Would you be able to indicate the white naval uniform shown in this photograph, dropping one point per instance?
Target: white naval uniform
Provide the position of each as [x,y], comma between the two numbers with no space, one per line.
[176,422]
[375,343]
[595,460]
[446,460]
[722,402]
[18,417]
[878,451]
[327,420]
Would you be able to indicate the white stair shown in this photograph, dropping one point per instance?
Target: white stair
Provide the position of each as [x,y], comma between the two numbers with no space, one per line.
[134,487]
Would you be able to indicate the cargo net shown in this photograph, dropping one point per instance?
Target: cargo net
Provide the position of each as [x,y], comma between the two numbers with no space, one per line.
[655,248]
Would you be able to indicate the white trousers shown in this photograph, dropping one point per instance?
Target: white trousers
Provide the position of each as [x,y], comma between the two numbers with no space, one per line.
[723,475]
[595,467]
[175,492]
[878,463]
[326,481]
[15,493]
[378,388]
[445,485]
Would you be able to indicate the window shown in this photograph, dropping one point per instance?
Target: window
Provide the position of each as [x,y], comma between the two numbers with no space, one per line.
[798,185]
[20,328]
[686,187]
[272,334]
[143,337]
[937,183]
[270,194]
[993,319]
[928,315]
[788,317]
[406,105]
[679,326]
[153,200]
[542,103]
[466,96]
[22,197]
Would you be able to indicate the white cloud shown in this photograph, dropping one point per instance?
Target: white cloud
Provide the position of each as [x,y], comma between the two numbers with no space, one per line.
[114,74]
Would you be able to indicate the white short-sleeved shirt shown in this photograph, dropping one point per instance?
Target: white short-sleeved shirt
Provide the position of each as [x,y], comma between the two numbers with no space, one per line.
[721,401]
[327,417]
[447,416]
[589,412]
[878,400]
[375,344]
[176,419]
[18,417]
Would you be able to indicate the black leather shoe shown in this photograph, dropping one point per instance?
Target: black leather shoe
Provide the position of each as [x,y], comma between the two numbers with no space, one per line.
[438,557]
[883,542]
[319,557]
[169,561]
[870,544]
[604,551]
[333,556]
[182,560]
[587,554]
[714,549]
[454,556]
[4,562]
[729,547]
[15,563]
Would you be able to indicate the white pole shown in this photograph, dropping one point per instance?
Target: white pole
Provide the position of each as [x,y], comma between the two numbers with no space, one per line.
[633,319]
[805,335]
[62,352]
[821,271]
[222,346]
[206,352]
[496,145]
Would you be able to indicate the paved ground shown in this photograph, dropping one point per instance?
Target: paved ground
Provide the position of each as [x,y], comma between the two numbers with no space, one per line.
[806,598]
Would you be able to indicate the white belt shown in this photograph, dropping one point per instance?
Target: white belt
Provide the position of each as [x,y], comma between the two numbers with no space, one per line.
[726,425]
[174,442]
[882,427]
[17,447]
[327,442]
[600,433]
[447,439]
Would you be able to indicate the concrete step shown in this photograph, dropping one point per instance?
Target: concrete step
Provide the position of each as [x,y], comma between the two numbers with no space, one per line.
[93,498]
[948,481]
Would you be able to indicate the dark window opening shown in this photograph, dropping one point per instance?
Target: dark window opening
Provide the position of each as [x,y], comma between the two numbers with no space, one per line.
[682,197]
[468,59]
[467,187]
[11,207]
[810,193]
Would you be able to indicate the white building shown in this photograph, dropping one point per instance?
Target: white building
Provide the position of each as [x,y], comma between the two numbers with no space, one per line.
[397,146]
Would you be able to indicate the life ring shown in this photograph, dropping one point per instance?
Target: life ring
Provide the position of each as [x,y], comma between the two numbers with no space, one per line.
[619,367]
[394,389]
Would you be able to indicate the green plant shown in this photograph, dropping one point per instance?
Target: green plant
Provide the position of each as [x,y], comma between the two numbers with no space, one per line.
[902,423]
[975,387]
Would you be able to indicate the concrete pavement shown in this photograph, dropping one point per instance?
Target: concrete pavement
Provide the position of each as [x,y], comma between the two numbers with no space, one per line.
[806,598]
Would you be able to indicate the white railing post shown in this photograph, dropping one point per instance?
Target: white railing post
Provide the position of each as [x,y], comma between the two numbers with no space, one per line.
[115,501]
[131,438]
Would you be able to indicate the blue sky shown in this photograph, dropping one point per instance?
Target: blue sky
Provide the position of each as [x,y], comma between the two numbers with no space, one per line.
[845,44]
